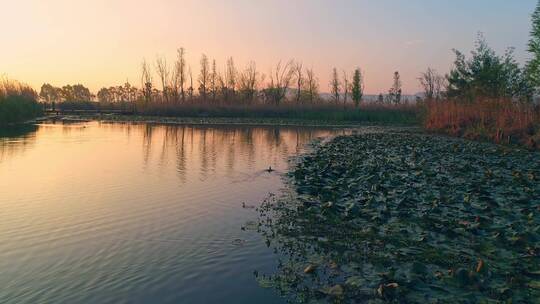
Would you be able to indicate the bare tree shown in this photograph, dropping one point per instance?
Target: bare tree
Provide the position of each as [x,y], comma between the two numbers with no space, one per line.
[248,81]
[346,86]
[174,85]
[297,69]
[335,86]
[280,79]
[432,84]
[204,77]
[222,85]
[190,89]
[163,73]
[181,71]
[312,85]
[230,76]
[213,80]
[146,81]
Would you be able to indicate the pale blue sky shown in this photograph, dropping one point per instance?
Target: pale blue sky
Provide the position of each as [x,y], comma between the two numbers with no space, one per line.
[102,42]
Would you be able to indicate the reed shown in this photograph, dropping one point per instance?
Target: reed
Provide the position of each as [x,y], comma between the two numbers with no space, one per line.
[18,102]
[500,121]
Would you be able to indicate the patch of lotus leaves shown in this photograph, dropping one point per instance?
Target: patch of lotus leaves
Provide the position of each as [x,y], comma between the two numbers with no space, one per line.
[408,218]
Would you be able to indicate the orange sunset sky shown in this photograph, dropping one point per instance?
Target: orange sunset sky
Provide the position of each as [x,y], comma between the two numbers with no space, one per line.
[102,43]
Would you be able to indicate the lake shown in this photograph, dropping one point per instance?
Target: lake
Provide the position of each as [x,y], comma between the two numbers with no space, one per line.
[139,213]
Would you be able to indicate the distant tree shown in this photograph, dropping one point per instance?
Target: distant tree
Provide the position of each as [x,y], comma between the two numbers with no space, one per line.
[49,93]
[487,75]
[129,92]
[432,84]
[394,94]
[163,73]
[146,82]
[533,66]
[204,76]
[75,93]
[248,82]
[280,80]
[346,87]
[181,71]
[297,69]
[335,86]
[190,89]
[312,85]
[380,99]
[230,76]
[174,85]
[357,87]
[104,95]
[213,80]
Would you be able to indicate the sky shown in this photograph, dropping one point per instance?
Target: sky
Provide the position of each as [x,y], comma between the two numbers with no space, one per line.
[103,42]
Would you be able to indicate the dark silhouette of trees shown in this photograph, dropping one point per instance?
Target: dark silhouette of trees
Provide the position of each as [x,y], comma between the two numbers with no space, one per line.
[214,81]
[190,89]
[357,87]
[311,85]
[163,74]
[395,92]
[432,84]
[146,82]
[346,86]
[181,71]
[335,86]
[49,93]
[204,77]
[248,82]
[297,69]
[75,93]
[280,80]
[230,79]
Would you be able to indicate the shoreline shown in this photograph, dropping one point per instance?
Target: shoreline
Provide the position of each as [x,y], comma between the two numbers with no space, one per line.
[218,121]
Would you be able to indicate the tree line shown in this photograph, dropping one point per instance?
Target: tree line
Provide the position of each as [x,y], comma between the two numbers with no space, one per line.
[175,83]
[485,75]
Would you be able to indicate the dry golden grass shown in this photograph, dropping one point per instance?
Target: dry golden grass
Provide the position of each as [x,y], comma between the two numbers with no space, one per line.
[501,121]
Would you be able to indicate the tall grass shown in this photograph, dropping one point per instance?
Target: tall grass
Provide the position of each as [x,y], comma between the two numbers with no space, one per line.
[500,121]
[368,113]
[18,102]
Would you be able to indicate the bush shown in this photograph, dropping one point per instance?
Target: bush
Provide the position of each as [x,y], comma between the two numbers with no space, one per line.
[17,102]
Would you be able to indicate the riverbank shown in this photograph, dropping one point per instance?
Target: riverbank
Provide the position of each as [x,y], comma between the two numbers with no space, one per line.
[268,121]
[397,216]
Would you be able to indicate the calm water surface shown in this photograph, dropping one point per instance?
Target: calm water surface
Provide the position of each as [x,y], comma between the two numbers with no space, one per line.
[120,213]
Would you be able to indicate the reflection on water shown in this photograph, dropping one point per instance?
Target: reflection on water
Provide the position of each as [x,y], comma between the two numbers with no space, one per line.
[125,213]
[14,140]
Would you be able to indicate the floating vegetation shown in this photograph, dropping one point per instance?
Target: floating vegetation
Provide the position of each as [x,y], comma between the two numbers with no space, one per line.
[407,218]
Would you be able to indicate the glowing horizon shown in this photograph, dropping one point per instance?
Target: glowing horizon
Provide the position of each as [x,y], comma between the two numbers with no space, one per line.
[102,43]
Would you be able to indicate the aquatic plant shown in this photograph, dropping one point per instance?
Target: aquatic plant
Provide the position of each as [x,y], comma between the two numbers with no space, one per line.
[407,218]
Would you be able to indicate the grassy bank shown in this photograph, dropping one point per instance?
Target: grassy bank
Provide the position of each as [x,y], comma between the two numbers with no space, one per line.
[408,218]
[17,103]
[311,114]
[500,121]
